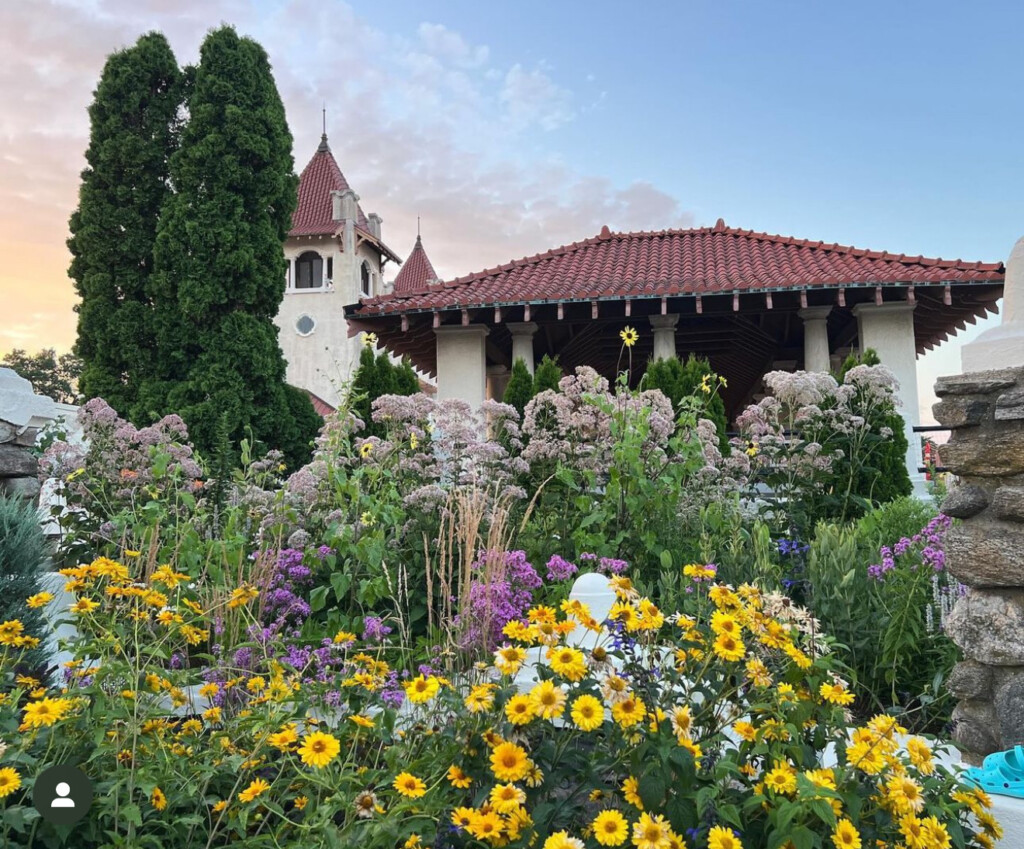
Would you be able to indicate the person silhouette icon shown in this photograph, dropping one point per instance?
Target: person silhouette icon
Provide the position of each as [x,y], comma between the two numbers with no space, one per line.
[62,800]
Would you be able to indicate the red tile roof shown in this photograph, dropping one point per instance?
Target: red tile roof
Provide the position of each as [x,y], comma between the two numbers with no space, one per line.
[313,215]
[417,272]
[706,260]
[322,408]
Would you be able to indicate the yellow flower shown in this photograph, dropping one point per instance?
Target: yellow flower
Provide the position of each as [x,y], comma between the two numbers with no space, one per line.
[835,694]
[83,605]
[421,689]
[257,788]
[480,698]
[705,384]
[409,785]
[367,519]
[728,647]
[361,721]
[846,835]
[284,739]
[629,712]
[301,802]
[413,841]
[562,840]
[506,798]
[9,781]
[509,762]
[567,662]
[39,600]
[628,335]
[157,799]
[369,339]
[904,794]
[920,754]
[746,731]
[463,817]
[129,552]
[610,828]
[487,826]
[508,659]
[319,749]
[458,778]
[781,779]
[45,712]
[548,700]
[243,595]
[587,713]
[651,832]
[723,838]
[365,450]
[519,710]
[752,449]
[630,792]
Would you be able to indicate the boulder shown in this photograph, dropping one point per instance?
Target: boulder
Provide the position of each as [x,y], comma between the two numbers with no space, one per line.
[989,627]
[965,501]
[985,553]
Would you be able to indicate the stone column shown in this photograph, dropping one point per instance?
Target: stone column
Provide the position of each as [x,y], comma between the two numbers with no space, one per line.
[462,363]
[522,341]
[664,336]
[889,330]
[816,350]
[1003,345]
[985,550]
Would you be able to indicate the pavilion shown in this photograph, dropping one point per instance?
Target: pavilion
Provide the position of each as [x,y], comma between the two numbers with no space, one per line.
[750,302]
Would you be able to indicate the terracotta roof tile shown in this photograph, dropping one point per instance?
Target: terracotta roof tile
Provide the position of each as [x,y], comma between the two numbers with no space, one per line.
[417,272]
[703,260]
[313,214]
[323,409]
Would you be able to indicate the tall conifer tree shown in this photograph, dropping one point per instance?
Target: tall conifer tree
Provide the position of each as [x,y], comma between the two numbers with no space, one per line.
[134,124]
[219,260]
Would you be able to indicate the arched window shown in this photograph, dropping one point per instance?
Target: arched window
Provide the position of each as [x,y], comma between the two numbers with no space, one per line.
[366,281]
[309,271]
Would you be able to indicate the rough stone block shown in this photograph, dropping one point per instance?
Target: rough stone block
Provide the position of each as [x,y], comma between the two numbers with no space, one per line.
[986,455]
[27,437]
[974,728]
[961,412]
[986,553]
[989,627]
[1008,503]
[965,501]
[7,431]
[970,680]
[977,383]
[1009,707]
[27,488]
[16,462]
[1010,406]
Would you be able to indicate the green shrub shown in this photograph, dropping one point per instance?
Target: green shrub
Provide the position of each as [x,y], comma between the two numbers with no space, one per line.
[694,378]
[547,376]
[23,555]
[520,387]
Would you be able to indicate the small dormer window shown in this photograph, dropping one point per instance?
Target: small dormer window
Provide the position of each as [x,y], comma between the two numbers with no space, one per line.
[366,281]
[309,271]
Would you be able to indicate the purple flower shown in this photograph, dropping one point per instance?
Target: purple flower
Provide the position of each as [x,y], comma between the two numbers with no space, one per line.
[374,629]
[560,569]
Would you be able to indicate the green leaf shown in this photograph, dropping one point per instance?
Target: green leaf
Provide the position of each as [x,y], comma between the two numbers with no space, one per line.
[318,598]
[132,815]
[652,790]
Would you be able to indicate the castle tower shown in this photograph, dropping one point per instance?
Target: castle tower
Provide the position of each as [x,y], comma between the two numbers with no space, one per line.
[335,257]
[417,271]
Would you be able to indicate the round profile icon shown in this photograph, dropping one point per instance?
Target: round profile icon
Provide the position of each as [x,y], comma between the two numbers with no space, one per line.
[63,794]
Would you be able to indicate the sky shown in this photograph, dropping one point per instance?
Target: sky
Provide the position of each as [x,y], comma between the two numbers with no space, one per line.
[511,128]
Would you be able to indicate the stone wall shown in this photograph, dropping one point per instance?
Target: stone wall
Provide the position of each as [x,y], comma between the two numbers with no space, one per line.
[22,414]
[985,551]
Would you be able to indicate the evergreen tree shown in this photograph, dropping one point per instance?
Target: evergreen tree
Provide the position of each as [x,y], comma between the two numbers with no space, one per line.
[519,390]
[22,560]
[678,380]
[884,477]
[134,127]
[219,262]
[377,375]
[548,373]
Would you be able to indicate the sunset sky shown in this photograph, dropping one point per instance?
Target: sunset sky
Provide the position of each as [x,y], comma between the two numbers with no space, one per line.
[514,127]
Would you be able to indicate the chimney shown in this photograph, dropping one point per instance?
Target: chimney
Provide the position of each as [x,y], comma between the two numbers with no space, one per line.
[349,205]
[374,220]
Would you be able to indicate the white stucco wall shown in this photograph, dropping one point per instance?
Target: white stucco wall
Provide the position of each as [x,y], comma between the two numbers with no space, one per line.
[323,361]
[462,363]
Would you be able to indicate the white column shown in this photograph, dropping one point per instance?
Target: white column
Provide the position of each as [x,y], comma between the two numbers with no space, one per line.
[664,327]
[889,330]
[816,353]
[1002,346]
[462,363]
[522,341]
